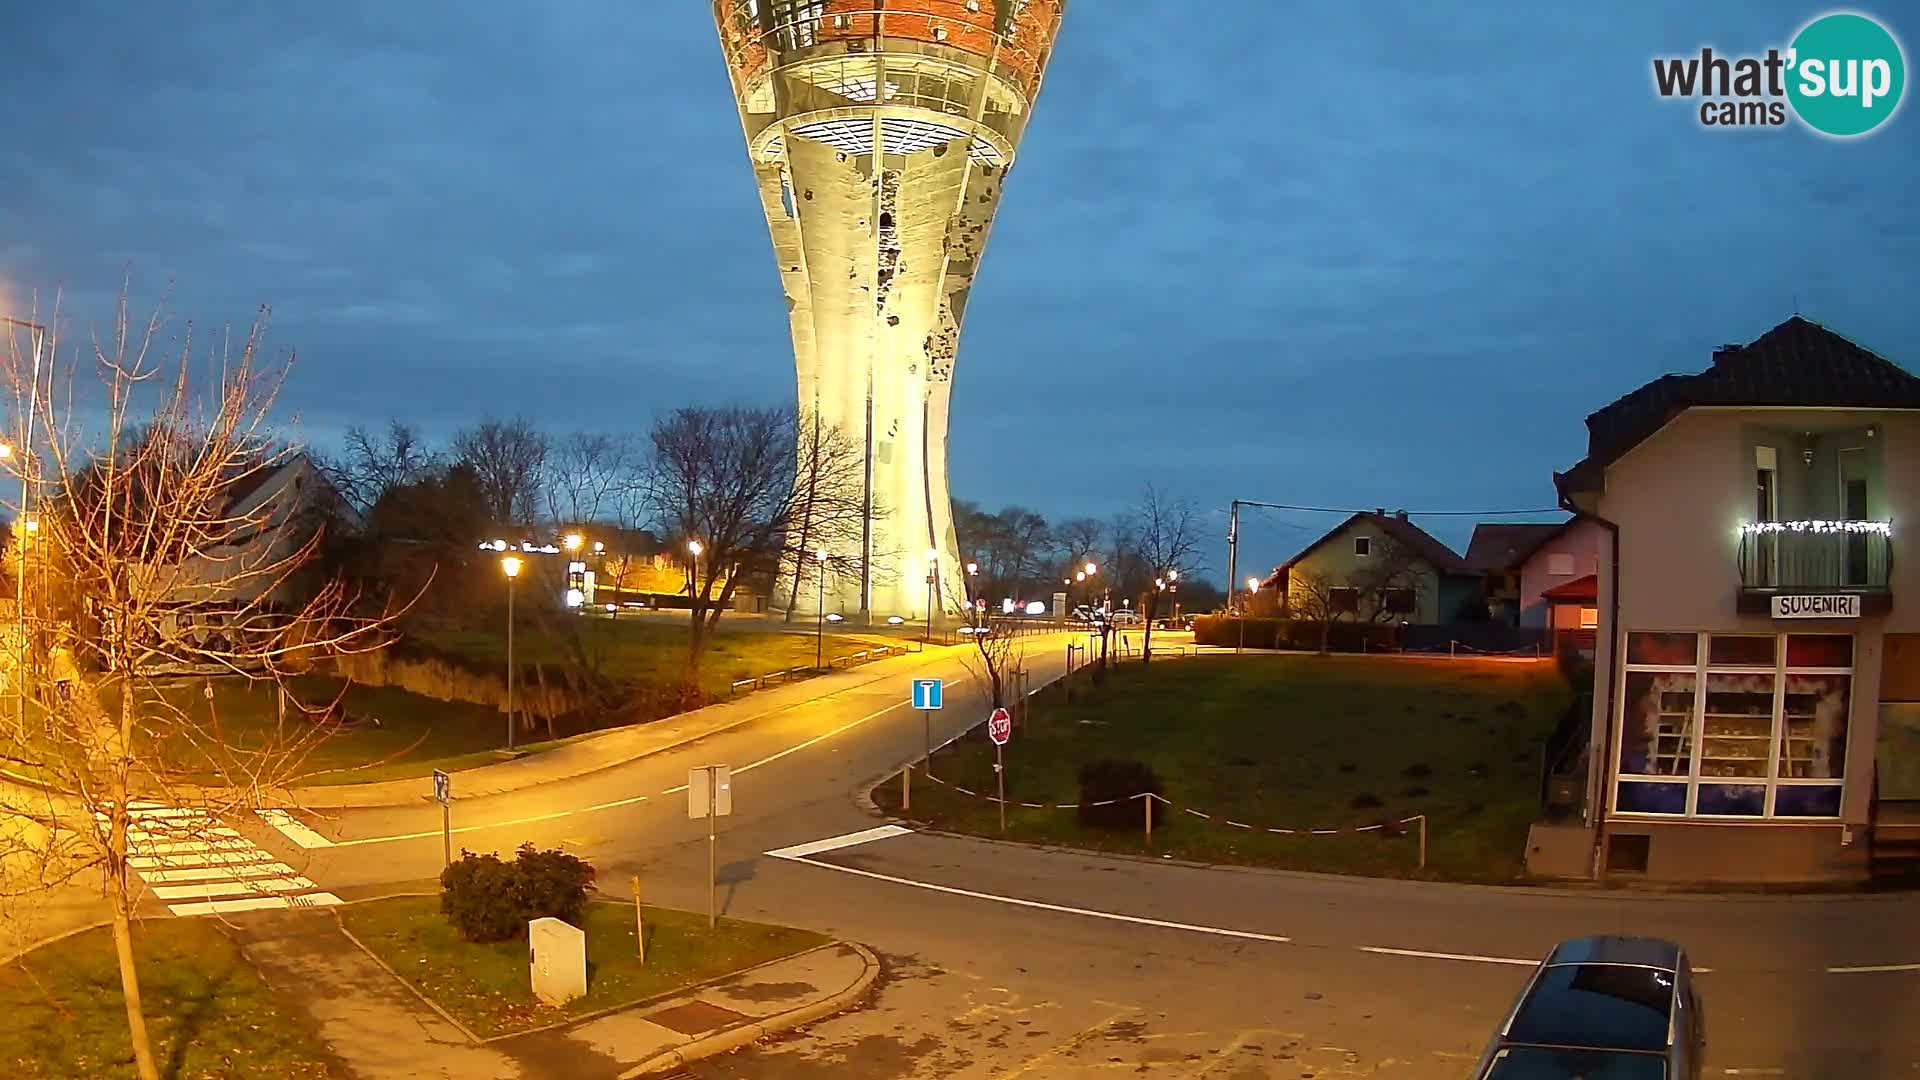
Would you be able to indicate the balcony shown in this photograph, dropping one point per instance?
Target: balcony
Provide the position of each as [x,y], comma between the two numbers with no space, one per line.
[1816,558]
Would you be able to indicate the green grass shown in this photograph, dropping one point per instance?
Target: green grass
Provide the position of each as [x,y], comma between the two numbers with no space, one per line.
[416,734]
[651,650]
[1283,742]
[486,986]
[208,1012]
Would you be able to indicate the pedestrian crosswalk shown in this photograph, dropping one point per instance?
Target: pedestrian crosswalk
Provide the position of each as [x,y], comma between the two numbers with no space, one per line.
[198,866]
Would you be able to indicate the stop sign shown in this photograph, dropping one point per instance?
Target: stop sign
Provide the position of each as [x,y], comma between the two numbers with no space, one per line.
[1000,727]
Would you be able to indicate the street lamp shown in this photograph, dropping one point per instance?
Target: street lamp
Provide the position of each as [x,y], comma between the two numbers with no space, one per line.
[933,573]
[820,610]
[1253,588]
[573,541]
[510,566]
[694,547]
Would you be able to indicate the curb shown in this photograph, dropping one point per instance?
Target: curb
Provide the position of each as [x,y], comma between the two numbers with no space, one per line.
[54,940]
[734,1038]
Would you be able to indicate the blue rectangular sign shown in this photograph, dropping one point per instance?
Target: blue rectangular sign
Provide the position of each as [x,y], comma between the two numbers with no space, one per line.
[926,693]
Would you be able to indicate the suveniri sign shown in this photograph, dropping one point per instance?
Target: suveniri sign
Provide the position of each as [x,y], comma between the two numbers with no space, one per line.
[1816,607]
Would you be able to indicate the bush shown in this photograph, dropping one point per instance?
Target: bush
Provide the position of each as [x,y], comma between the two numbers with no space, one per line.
[478,897]
[552,884]
[488,900]
[1116,779]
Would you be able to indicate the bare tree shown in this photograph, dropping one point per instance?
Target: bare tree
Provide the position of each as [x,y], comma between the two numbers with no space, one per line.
[369,465]
[825,521]
[733,482]
[509,459]
[1312,597]
[137,477]
[588,474]
[1391,584]
[1165,539]
[998,659]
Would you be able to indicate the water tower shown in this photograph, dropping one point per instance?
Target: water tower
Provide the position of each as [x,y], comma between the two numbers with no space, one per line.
[881,133]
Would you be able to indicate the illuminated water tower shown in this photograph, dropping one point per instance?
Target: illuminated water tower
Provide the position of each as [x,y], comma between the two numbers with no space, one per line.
[881,133]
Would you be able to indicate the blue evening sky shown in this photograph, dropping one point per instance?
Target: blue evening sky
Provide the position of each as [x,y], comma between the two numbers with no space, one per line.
[1352,254]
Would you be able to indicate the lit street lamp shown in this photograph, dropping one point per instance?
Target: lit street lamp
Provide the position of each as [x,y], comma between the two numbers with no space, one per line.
[694,547]
[510,566]
[1253,588]
[820,610]
[573,541]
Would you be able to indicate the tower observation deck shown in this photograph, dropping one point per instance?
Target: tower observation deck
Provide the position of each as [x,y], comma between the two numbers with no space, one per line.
[881,133]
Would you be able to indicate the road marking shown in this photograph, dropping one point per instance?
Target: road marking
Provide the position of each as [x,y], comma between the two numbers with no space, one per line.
[207,890]
[1137,920]
[771,758]
[611,805]
[207,860]
[1073,1043]
[462,829]
[257,903]
[291,828]
[1872,968]
[835,843]
[1448,956]
[233,872]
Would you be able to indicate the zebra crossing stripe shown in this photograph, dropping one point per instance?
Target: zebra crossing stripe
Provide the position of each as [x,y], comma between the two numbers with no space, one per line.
[209,867]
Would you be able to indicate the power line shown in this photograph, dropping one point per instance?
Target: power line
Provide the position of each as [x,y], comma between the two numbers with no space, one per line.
[1409,513]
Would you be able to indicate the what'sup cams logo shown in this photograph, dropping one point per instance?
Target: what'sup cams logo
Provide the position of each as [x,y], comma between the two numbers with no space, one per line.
[1843,76]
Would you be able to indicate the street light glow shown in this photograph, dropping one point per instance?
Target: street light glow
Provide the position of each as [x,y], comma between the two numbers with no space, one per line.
[573,541]
[695,547]
[6,451]
[933,555]
[510,565]
[821,555]
[1081,576]
[973,568]
[1173,575]
[1092,569]
[1253,584]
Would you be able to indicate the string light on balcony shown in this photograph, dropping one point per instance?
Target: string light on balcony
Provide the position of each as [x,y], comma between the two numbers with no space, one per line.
[1882,528]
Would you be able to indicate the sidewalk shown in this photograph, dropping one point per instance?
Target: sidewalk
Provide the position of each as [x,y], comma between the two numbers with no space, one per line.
[384,1031]
[621,745]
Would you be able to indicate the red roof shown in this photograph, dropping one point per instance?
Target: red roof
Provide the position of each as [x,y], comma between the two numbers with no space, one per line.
[1419,543]
[1584,590]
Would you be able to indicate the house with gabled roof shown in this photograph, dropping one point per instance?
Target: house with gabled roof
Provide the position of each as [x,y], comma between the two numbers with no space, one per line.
[1382,568]
[1756,707]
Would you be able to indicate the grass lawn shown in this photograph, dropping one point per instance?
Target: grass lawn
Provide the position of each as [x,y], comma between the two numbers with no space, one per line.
[486,986]
[416,734]
[651,649]
[1283,742]
[208,1012]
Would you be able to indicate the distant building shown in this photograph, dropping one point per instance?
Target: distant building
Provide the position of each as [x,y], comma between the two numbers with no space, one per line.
[1381,568]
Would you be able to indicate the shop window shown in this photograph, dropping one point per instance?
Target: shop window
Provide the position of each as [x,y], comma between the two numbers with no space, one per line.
[1756,728]
[1589,618]
[1819,651]
[1663,650]
[1745,650]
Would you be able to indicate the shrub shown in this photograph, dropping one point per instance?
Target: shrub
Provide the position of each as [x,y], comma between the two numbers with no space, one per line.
[478,897]
[1118,779]
[488,900]
[551,884]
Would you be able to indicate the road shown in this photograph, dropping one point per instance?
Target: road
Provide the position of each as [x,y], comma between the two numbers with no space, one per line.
[1006,961]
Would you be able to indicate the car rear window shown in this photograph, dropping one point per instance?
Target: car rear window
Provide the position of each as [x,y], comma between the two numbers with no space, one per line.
[1604,1006]
[1539,1063]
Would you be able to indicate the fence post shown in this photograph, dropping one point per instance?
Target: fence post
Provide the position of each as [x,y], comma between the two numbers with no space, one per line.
[906,788]
[1146,799]
[1423,841]
[1450,644]
[639,923]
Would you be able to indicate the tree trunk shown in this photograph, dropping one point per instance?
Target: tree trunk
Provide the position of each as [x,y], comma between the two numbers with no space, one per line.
[117,871]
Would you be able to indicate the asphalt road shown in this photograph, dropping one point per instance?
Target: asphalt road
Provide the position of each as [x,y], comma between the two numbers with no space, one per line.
[1006,961]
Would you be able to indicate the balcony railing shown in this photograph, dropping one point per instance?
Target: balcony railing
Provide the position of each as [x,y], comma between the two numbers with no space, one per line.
[1836,556]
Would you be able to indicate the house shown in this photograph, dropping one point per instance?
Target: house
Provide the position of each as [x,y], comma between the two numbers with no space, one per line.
[1377,567]
[1496,551]
[1756,667]
[1542,576]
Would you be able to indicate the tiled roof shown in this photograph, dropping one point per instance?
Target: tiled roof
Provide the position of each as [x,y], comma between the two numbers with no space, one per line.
[1505,545]
[1416,540]
[1579,589]
[1798,363]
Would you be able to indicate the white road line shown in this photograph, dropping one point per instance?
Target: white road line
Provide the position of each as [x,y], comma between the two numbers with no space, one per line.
[462,829]
[292,828]
[835,843]
[614,803]
[771,758]
[1016,901]
[255,903]
[1872,968]
[249,887]
[1448,956]
[216,873]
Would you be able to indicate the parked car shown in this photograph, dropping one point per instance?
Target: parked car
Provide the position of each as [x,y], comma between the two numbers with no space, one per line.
[1125,617]
[1603,1008]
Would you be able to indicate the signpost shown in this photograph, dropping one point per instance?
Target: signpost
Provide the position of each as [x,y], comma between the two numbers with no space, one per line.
[927,696]
[443,794]
[710,795]
[1000,729]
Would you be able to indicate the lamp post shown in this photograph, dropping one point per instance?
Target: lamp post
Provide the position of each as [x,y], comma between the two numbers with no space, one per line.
[1253,587]
[38,333]
[820,610]
[933,572]
[510,566]
[694,548]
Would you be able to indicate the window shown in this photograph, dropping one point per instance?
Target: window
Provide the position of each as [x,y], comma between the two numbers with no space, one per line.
[1363,546]
[1400,601]
[1737,726]
[1589,618]
[1560,565]
[1343,599]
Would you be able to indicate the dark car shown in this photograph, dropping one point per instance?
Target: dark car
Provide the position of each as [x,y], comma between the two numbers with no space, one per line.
[1603,1008]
